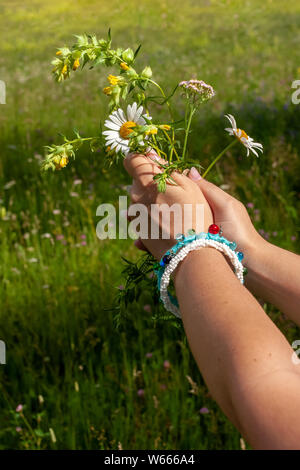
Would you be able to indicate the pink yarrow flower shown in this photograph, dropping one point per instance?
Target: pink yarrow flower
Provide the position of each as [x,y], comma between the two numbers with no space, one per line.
[197,89]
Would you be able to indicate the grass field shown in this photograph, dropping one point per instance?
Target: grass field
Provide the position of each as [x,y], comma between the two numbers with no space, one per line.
[93,386]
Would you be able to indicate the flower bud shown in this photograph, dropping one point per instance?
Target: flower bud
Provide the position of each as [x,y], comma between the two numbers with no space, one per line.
[147,72]
[128,55]
[140,97]
[131,73]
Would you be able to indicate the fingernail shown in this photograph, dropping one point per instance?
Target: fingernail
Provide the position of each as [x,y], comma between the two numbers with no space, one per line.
[153,155]
[194,174]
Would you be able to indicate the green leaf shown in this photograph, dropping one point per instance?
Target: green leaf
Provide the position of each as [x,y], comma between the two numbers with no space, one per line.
[137,51]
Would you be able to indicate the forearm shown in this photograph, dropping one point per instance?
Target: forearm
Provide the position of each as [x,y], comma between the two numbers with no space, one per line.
[232,340]
[274,275]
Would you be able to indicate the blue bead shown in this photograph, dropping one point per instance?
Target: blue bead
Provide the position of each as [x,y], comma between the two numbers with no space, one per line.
[240,255]
[201,235]
[179,237]
[162,263]
[232,245]
[213,236]
[166,259]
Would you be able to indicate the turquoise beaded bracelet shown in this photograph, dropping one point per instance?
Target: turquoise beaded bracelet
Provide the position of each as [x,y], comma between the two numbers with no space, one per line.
[214,233]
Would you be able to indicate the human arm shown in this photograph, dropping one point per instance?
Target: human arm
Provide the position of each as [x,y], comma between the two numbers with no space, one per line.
[273,273]
[245,360]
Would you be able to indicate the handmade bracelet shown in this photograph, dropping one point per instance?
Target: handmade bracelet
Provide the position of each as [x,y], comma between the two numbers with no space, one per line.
[185,244]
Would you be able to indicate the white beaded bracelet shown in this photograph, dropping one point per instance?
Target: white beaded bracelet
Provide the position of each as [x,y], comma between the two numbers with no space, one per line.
[200,243]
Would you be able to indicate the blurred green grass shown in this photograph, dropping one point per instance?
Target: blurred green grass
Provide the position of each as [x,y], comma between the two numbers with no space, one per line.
[99,386]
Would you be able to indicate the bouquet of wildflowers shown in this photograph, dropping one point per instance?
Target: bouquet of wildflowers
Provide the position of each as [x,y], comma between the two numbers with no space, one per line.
[130,127]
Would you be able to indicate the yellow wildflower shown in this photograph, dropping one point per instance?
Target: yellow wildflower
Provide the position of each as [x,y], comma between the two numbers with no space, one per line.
[58,53]
[107,90]
[64,70]
[165,127]
[63,162]
[113,80]
[124,66]
[152,131]
[76,64]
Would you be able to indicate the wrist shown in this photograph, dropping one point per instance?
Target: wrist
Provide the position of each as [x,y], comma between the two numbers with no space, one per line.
[206,257]
[253,250]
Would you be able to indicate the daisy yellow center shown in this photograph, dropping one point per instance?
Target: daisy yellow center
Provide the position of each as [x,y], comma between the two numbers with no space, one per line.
[242,134]
[126,129]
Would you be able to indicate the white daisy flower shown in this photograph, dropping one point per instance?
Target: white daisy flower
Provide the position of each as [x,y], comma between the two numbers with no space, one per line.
[120,126]
[241,135]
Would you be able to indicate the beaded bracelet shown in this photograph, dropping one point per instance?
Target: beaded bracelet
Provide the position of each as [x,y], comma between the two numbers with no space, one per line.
[172,258]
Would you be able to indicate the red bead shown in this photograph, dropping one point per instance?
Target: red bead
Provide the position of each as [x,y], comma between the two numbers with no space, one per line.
[213,229]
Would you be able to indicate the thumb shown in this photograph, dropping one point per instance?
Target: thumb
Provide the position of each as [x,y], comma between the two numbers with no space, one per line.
[216,197]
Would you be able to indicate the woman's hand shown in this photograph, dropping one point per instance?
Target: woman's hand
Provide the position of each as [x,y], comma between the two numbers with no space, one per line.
[232,216]
[144,191]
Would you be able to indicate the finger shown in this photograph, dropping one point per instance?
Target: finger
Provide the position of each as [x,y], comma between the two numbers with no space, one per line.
[214,195]
[153,155]
[141,168]
[136,191]
[175,176]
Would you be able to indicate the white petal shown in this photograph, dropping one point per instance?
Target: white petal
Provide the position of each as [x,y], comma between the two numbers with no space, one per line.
[141,121]
[138,114]
[111,133]
[231,120]
[115,119]
[228,129]
[254,151]
[122,115]
[110,141]
[257,145]
[111,125]
[134,108]
[129,113]
[114,145]
[117,116]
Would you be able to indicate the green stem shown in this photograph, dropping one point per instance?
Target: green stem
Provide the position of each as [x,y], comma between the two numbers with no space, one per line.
[156,146]
[170,112]
[172,146]
[29,427]
[164,95]
[187,130]
[218,157]
[159,151]
[76,140]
